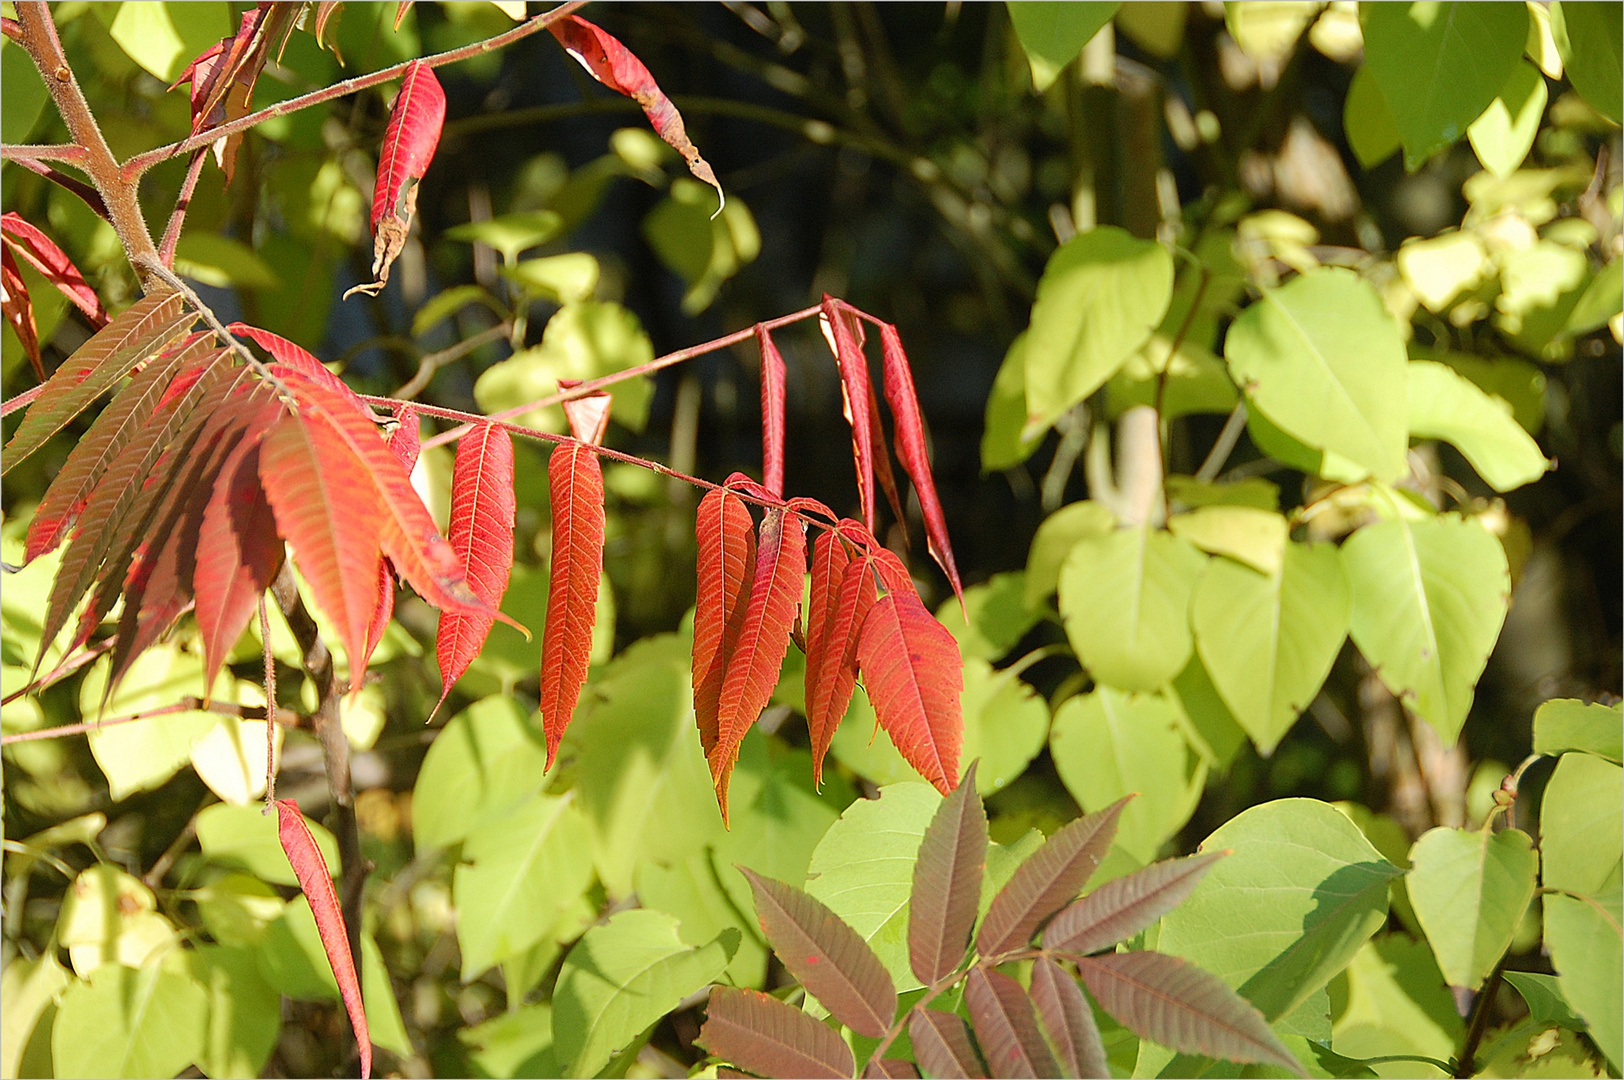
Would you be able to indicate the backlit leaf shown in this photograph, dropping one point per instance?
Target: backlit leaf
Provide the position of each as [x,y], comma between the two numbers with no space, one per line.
[121,1022]
[941,1041]
[41,252]
[576,483]
[766,1036]
[772,412]
[1006,1025]
[947,883]
[481,534]
[19,309]
[1589,47]
[1052,34]
[841,330]
[239,553]
[1126,905]
[1069,1020]
[409,143]
[1567,724]
[831,657]
[1470,890]
[1050,878]
[911,449]
[1446,405]
[914,676]
[827,957]
[726,568]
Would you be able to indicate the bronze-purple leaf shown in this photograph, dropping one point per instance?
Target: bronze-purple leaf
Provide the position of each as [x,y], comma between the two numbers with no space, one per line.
[1126,905]
[761,1034]
[1168,1001]
[1069,1020]
[1050,878]
[947,883]
[890,1069]
[1007,1026]
[941,1042]
[828,957]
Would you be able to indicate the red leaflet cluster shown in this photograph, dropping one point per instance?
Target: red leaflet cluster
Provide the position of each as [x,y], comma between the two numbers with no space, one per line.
[223,76]
[22,240]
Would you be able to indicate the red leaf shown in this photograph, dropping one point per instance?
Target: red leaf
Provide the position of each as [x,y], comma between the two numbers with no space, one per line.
[1126,905]
[910,439]
[941,1042]
[324,12]
[1007,1026]
[882,463]
[481,533]
[239,550]
[831,663]
[727,564]
[613,65]
[1166,1000]
[752,669]
[41,252]
[19,310]
[914,675]
[1069,1019]
[947,883]
[223,76]
[772,413]
[409,143]
[762,1034]
[287,353]
[828,957]
[576,484]
[142,330]
[1050,878]
[829,561]
[404,442]
[854,392]
[317,885]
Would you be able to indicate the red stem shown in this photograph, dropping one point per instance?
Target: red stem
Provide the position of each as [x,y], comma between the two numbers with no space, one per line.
[166,248]
[89,194]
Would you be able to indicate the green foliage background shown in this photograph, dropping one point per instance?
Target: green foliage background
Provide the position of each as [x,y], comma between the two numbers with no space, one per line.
[1359,268]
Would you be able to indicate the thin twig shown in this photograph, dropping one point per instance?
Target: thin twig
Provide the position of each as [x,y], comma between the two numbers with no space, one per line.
[1482,1007]
[285,717]
[166,248]
[1221,449]
[61,671]
[90,195]
[432,362]
[270,702]
[70,153]
[227,338]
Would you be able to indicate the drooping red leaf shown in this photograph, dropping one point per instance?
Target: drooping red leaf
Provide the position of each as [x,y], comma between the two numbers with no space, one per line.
[772,413]
[1069,1020]
[588,416]
[828,957]
[914,676]
[41,252]
[404,442]
[19,310]
[829,561]
[761,1034]
[836,658]
[752,669]
[409,142]
[1166,1000]
[882,465]
[140,331]
[317,885]
[238,548]
[726,567]
[133,408]
[324,13]
[855,392]
[942,1044]
[1006,1026]
[1047,880]
[613,65]
[911,449]
[576,484]
[947,883]
[481,533]
[1126,905]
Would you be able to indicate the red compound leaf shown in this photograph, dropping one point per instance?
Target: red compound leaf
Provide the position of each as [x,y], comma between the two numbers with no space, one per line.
[481,533]
[772,413]
[41,252]
[19,310]
[576,484]
[911,443]
[832,663]
[727,566]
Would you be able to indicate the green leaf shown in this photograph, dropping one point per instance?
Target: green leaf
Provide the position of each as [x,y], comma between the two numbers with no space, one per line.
[236,908]
[1254,537]
[1053,33]
[442,305]
[1267,28]
[244,1014]
[1470,890]
[1581,824]
[1583,939]
[1587,37]
[1253,491]
[1125,598]
[242,838]
[511,233]
[525,871]
[702,249]
[1006,723]
[1288,909]
[584,341]
[30,989]
[1565,724]
[1543,996]
[487,760]
[1108,744]
[222,262]
[1055,538]
[128,1023]
[1428,600]
[141,756]
[1369,126]
[1438,269]
[863,870]
[108,917]
[1518,382]
[998,616]
[619,979]
[1102,295]
[1505,132]
[1327,464]
[1445,405]
[1323,360]
[1602,299]
[163,38]
[25,95]
[691,891]
[1209,726]
[515,1043]
[1392,1000]
[1268,640]
[1005,442]
[1439,65]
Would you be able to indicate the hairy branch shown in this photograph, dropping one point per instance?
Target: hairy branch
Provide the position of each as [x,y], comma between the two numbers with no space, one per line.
[89,194]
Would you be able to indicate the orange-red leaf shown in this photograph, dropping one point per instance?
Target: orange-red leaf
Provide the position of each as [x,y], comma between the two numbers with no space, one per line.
[19,310]
[41,252]
[317,884]
[404,442]
[831,663]
[409,143]
[481,533]
[914,676]
[613,65]
[829,559]
[772,412]
[854,391]
[882,463]
[752,669]
[910,440]
[727,565]
[576,484]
